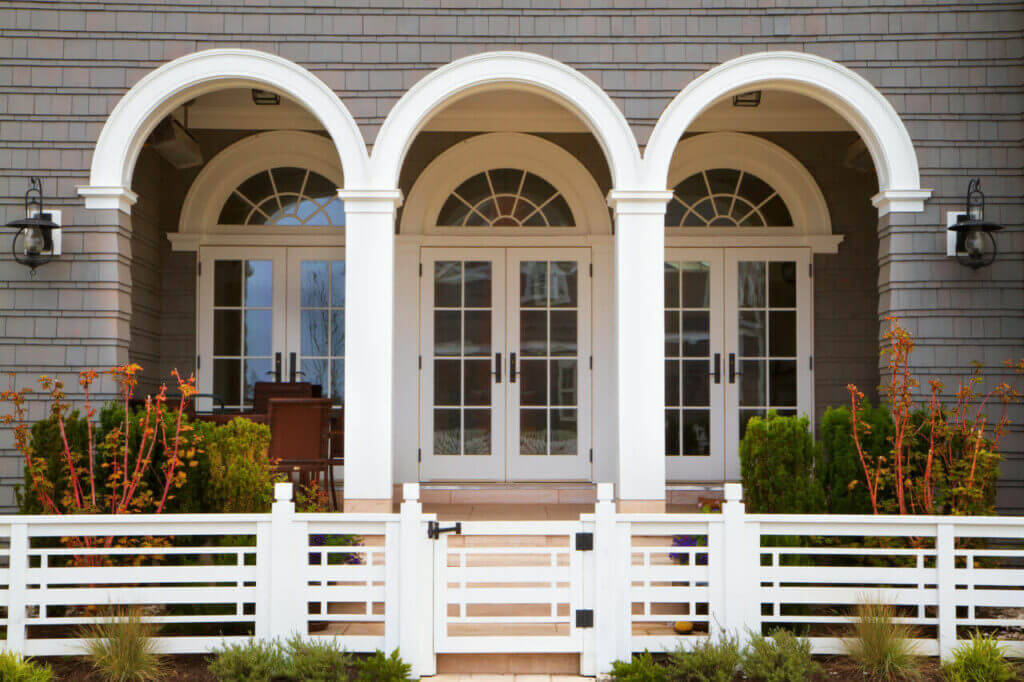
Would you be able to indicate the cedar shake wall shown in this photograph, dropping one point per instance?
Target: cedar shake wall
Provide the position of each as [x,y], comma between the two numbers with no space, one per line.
[953,73]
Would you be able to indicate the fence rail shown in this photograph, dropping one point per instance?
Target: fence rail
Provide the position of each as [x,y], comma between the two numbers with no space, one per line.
[604,586]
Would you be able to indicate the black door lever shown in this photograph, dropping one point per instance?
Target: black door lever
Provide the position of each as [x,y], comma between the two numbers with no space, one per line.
[717,374]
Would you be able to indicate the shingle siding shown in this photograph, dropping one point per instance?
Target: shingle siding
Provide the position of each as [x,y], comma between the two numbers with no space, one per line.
[953,71]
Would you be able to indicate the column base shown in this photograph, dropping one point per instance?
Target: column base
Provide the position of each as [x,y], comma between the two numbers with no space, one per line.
[367,506]
[641,506]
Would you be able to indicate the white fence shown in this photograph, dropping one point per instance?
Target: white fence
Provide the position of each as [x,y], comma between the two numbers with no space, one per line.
[601,587]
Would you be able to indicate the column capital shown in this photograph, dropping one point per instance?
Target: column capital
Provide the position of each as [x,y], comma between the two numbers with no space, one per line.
[371,200]
[900,200]
[639,201]
[105,197]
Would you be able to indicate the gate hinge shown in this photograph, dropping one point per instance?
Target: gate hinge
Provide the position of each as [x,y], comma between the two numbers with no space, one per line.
[591,269]
[434,529]
[584,618]
[199,268]
[584,543]
[591,362]
[419,455]
[199,362]
[591,455]
[421,362]
[421,269]
[811,363]
[810,270]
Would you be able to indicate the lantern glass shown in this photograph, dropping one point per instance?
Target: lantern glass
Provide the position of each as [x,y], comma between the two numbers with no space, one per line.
[35,242]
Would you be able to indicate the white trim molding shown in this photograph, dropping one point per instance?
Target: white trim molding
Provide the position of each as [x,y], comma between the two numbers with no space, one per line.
[639,202]
[849,94]
[117,198]
[900,200]
[494,70]
[162,91]
[505,150]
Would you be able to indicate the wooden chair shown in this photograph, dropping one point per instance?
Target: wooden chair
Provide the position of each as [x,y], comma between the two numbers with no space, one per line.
[299,433]
[262,391]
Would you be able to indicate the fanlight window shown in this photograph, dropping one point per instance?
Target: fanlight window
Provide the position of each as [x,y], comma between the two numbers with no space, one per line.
[506,197]
[724,197]
[284,196]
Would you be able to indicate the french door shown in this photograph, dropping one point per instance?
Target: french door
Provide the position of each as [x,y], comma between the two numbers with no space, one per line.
[738,343]
[269,314]
[505,364]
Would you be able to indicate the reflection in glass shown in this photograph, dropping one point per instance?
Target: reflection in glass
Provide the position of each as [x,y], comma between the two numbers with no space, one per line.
[478,285]
[752,383]
[227,283]
[533,332]
[447,432]
[447,382]
[315,372]
[533,389]
[533,277]
[315,284]
[478,332]
[478,432]
[313,332]
[258,331]
[563,382]
[337,333]
[563,332]
[256,369]
[533,432]
[696,383]
[752,333]
[696,433]
[782,284]
[447,284]
[564,440]
[337,382]
[447,332]
[696,284]
[338,283]
[477,386]
[563,284]
[259,283]
[672,432]
[672,334]
[750,284]
[696,333]
[672,285]
[672,383]
[227,381]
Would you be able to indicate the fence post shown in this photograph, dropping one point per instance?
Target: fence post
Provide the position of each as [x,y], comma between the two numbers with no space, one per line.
[611,584]
[289,558]
[945,565]
[741,566]
[17,586]
[415,586]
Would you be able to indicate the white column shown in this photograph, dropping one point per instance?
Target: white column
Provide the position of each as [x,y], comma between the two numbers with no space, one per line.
[369,356]
[640,346]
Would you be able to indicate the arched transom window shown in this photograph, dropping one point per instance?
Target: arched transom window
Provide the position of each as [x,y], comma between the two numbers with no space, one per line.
[506,197]
[284,196]
[725,197]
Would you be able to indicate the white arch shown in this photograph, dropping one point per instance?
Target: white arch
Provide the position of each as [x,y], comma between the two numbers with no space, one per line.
[853,97]
[166,88]
[533,72]
[506,150]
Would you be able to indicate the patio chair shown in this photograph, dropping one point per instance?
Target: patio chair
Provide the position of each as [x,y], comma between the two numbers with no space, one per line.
[299,435]
[262,391]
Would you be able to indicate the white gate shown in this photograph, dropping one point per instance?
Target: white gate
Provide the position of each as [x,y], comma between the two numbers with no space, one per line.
[512,587]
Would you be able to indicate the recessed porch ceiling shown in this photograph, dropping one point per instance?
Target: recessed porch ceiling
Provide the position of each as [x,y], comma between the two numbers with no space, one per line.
[509,110]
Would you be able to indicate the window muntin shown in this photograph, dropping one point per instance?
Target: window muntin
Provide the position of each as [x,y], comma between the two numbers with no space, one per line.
[726,197]
[506,197]
[284,195]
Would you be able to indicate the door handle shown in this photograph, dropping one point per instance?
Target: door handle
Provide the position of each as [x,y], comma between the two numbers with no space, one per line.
[291,367]
[732,368]
[277,368]
[511,368]
[497,368]
[717,374]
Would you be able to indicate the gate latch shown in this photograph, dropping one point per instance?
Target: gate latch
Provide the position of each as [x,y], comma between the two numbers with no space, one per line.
[434,529]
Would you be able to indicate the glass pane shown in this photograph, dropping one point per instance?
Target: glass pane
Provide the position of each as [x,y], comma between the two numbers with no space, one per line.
[696,331]
[783,333]
[782,284]
[672,383]
[478,432]
[754,189]
[782,380]
[691,189]
[533,332]
[257,187]
[478,332]
[697,432]
[752,383]
[564,425]
[447,284]
[696,285]
[564,284]
[533,284]
[752,333]
[258,331]
[227,283]
[478,285]
[745,416]
[259,283]
[447,432]
[447,382]
[563,382]
[477,378]
[558,213]
[563,332]
[338,283]
[447,332]
[672,340]
[775,212]
[723,180]
[506,180]
[234,211]
[338,382]
[227,332]
[672,283]
[227,381]
[337,333]
[312,332]
[533,432]
[256,369]
[533,382]
[453,212]
[672,432]
[751,284]
[315,372]
[315,283]
[696,383]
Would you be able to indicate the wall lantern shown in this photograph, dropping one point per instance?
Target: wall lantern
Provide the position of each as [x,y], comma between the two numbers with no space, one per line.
[971,239]
[37,240]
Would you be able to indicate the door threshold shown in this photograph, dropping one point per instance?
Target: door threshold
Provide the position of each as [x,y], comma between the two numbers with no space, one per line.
[526,493]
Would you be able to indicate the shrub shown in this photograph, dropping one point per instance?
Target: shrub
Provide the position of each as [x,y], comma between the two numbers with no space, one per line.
[880,647]
[713,660]
[641,668]
[242,477]
[842,475]
[382,668]
[778,465]
[251,662]
[122,648]
[780,657]
[14,668]
[979,660]
[316,660]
